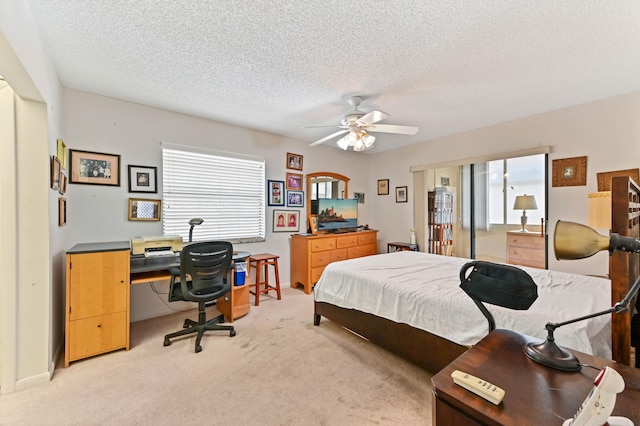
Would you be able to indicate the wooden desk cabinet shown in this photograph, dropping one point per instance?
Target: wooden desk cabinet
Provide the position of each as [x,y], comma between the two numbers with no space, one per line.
[311,254]
[97,300]
[526,249]
[235,303]
[534,394]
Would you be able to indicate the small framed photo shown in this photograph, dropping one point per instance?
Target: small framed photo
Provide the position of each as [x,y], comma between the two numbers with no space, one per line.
[275,192]
[383,186]
[143,179]
[94,168]
[401,194]
[62,188]
[55,173]
[144,209]
[295,198]
[294,161]
[62,154]
[359,196]
[313,224]
[294,181]
[62,211]
[286,220]
[569,172]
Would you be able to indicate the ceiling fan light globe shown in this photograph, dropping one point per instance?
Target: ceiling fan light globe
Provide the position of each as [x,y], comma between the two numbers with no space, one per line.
[359,146]
[368,140]
[343,143]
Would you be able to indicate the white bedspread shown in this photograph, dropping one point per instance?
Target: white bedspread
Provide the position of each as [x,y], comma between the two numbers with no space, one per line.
[422,290]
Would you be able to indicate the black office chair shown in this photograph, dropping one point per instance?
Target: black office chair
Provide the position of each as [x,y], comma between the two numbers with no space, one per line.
[203,277]
[497,284]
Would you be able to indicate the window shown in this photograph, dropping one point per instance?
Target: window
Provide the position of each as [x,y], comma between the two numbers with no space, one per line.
[226,190]
[511,177]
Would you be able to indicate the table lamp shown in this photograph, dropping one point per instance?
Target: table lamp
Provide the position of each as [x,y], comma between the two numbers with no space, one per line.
[193,222]
[576,241]
[524,202]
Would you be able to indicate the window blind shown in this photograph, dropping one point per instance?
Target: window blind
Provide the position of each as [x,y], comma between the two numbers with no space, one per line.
[227,191]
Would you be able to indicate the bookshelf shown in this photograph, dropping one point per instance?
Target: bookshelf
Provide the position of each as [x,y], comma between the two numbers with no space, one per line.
[440,216]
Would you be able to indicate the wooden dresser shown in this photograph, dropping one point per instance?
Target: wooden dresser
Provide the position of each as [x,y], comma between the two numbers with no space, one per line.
[526,249]
[310,254]
[97,314]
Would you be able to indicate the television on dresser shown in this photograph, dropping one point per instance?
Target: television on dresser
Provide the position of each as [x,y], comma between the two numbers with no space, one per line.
[337,215]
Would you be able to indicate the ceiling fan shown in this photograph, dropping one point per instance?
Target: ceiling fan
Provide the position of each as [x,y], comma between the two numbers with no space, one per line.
[357,124]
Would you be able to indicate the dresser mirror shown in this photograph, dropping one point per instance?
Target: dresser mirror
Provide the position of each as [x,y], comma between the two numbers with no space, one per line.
[324,185]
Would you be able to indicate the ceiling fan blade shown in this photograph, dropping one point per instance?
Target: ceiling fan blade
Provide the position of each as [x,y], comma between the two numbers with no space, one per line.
[326,138]
[325,127]
[392,128]
[372,117]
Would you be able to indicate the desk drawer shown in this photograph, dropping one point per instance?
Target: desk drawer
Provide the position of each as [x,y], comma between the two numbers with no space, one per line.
[531,241]
[92,336]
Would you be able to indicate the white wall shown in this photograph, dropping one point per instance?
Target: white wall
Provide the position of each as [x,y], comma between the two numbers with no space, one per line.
[99,213]
[606,131]
[32,292]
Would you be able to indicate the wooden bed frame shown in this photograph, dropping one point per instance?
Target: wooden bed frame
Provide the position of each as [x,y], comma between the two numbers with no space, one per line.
[433,353]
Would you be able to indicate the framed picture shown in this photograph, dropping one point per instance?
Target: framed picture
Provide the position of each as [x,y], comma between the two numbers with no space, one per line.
[294,161]
[62,211]
[604,178]
[55,173]
[569,172]
[359,196]
[286,220]
[294,181]
[94,168]
[401,194]
[313,224]
[62,153]
[143,179]
[275,192]
[444,181]
[383,186]
[62,188]
[144,209]
[295,198]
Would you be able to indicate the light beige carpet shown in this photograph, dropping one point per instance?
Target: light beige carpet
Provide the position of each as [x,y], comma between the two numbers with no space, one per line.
[278,370]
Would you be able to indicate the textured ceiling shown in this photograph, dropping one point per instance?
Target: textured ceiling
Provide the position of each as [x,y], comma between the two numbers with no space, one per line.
[277,66]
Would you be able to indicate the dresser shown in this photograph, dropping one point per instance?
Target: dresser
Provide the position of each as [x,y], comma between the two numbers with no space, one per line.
[97,300]
[311,254]
[526,249]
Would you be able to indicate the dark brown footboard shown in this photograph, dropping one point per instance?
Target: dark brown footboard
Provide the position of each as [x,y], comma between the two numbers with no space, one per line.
[422,348]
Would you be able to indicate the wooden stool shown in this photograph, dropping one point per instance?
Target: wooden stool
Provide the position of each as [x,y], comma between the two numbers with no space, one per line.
[260,262]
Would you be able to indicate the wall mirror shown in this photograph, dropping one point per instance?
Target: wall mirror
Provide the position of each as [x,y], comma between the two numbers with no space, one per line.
[324,185]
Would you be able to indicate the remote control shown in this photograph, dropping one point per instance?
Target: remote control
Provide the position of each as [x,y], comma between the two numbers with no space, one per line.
[480,387]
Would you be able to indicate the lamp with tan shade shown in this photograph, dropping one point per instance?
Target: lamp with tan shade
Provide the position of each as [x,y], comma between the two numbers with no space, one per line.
[525,202]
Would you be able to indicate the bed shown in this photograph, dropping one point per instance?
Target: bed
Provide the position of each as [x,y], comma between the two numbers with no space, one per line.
[382,298]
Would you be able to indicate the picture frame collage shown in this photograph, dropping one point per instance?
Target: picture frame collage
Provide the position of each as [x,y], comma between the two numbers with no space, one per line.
[402,192]
[287,193]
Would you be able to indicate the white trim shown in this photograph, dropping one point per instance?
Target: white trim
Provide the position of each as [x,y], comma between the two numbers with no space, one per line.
[482,159]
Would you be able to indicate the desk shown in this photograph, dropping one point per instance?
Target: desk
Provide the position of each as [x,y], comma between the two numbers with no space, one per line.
[233,305]
[401,247]
[534,394]
[98,278]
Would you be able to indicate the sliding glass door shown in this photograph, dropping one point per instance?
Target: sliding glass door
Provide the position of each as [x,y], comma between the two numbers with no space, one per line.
[492,201]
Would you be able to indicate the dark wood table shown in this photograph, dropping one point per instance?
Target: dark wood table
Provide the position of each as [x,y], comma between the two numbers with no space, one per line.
[397,246]
[534,394]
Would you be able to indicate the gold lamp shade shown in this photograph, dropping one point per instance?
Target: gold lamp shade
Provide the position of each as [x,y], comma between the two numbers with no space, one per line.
[576,241]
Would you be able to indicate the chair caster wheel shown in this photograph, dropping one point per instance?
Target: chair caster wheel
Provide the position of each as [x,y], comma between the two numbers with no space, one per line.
[232,333]
[198,348]
[167,342]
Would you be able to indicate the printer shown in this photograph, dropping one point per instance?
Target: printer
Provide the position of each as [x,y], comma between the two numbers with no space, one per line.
[156,245]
